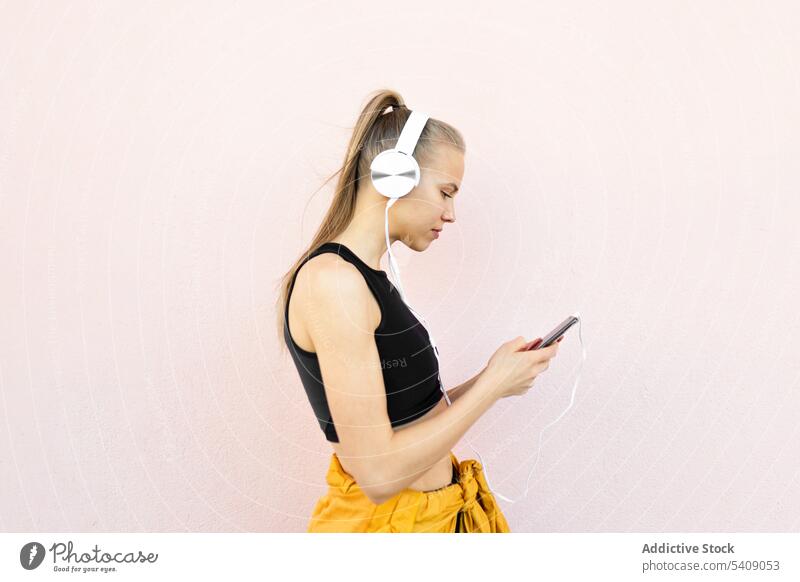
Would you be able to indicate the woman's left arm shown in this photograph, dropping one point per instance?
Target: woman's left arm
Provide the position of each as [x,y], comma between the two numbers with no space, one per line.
[454,393]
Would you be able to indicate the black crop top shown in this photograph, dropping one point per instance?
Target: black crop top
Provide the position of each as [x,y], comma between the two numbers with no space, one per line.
[409,365]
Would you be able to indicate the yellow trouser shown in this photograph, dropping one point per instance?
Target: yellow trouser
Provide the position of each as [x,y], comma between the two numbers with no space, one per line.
[467,504]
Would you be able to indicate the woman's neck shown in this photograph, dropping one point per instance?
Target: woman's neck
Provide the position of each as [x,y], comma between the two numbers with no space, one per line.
[365,235]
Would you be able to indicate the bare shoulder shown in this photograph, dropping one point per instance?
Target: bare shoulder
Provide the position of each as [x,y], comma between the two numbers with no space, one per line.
[331,285]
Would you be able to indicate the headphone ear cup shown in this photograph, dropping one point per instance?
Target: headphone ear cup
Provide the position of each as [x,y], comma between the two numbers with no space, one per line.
[394,174]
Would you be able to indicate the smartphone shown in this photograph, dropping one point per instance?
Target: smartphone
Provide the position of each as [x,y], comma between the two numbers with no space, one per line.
[554,335]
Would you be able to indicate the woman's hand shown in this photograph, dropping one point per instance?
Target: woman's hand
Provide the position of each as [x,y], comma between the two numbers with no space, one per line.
[513,368]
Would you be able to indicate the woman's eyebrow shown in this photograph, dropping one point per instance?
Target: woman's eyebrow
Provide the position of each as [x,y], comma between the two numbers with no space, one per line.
[453,186]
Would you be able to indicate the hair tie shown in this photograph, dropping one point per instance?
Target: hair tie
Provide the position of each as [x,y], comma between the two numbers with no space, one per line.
[394,108]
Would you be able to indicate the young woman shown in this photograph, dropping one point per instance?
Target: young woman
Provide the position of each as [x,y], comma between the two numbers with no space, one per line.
[366,362]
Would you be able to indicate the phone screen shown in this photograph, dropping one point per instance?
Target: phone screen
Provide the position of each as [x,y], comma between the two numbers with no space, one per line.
[554,335]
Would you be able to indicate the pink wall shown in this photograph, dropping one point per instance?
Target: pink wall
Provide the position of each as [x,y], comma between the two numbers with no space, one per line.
[635,163]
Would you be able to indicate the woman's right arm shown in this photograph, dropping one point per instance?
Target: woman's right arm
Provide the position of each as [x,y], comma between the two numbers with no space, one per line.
[340,315]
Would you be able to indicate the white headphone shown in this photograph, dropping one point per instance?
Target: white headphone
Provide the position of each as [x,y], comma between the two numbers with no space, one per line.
[395,172]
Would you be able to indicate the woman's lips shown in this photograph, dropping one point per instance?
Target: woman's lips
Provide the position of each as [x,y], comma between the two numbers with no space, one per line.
[435,233]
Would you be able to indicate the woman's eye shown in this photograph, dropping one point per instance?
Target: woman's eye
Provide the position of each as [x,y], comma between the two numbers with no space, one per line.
[446,194]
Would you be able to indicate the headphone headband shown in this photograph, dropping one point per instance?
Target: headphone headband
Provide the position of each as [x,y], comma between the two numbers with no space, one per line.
[411,132]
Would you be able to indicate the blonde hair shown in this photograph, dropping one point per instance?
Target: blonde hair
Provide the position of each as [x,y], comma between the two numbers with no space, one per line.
[374,132]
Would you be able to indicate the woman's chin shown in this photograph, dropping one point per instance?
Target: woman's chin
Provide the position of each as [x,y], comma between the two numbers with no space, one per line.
[419,243]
